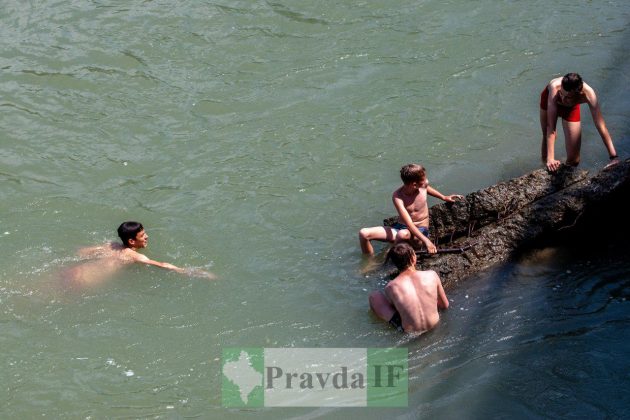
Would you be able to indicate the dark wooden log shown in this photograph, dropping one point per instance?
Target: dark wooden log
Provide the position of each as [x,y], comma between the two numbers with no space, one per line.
[511,216]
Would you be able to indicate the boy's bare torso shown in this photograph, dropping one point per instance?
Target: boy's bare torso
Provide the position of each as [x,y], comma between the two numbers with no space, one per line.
[415,203]
[104,261]
[415,296]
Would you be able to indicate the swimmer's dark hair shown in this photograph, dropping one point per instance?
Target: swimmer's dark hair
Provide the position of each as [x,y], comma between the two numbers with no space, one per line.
[401,255]
[572,82]
[129,230]
[412,173]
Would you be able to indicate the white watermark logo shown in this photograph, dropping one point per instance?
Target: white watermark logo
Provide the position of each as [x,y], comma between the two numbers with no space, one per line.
[314,377]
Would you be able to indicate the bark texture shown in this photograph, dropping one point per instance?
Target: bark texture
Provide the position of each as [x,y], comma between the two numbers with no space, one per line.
[511,216]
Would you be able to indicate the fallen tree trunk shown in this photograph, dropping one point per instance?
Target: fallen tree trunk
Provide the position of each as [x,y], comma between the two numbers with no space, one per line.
[511,216]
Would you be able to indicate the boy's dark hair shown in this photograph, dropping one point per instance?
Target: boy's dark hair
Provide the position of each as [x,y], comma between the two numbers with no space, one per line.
[129,230]
[412,173]
[401,255]
[572,82]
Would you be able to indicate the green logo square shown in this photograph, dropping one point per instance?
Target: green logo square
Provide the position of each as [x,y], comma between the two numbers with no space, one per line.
[388,377]
[242,379]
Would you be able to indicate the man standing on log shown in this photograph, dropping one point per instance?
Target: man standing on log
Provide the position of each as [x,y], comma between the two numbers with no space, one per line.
[410,302]
[410,201]
[562,98]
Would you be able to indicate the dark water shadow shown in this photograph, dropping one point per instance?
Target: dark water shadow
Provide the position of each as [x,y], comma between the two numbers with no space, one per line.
[620,68]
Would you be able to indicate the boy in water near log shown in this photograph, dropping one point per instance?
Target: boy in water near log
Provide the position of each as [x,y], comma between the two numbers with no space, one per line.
[410,302]
[562,97]
[410,201]
[110,257]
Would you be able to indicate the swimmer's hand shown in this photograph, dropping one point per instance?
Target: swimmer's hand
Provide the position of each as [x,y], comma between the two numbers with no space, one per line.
[552,165]
[612,163]
[195,272]
[453,198]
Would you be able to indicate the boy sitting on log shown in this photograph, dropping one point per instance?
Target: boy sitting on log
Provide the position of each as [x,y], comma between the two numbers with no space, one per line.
[410,302]
[410,201]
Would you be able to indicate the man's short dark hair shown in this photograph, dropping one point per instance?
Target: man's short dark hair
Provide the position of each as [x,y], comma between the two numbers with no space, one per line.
[129,230]
[412,173]
[572,82]
[401,255]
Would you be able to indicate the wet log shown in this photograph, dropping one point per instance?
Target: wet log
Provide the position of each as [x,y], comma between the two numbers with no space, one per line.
[512,216]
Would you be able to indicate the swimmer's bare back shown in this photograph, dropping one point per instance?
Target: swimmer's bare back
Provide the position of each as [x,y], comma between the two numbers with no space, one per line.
[104,261]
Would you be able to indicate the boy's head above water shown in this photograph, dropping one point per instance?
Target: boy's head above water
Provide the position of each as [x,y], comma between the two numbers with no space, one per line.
[412,173]
[132,235]
[402,255]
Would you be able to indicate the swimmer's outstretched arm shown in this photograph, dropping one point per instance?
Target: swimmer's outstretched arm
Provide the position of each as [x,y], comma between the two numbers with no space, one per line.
[197,273]
[139,258]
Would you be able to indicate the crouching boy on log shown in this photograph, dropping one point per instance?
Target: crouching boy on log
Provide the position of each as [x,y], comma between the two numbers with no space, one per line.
[410,302]
[410,201]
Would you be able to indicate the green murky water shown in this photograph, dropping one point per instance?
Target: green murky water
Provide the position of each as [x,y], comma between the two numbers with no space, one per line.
[254,139]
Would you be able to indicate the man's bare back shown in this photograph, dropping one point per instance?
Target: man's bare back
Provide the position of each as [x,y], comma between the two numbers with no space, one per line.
[109,250]
[104,261]
[411,301]
[414,295]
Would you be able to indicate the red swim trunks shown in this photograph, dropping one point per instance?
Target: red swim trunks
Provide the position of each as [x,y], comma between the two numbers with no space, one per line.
[571,114]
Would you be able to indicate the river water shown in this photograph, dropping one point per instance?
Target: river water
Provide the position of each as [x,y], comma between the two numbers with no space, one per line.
[253,139]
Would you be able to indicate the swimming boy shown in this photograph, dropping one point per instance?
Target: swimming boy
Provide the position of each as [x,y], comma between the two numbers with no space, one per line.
[112,256]
[562,98]
[410,201]
[411,301]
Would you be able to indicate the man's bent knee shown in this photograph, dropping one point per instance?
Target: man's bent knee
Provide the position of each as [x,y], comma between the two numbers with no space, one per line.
[403,235]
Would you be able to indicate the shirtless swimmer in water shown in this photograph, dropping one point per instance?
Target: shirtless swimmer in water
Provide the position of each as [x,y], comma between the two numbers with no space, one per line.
[411,301]
[110,257]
